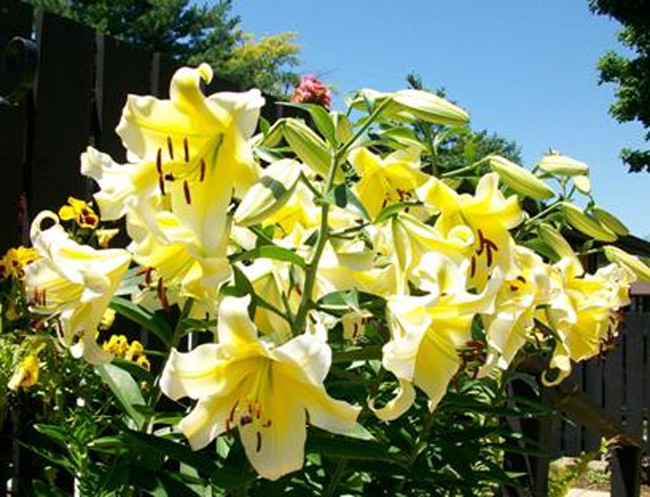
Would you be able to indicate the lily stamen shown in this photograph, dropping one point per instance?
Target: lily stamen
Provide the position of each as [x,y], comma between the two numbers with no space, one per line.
[170,147]
[186,149]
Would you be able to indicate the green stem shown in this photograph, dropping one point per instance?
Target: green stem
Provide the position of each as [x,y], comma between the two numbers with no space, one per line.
[465,169]
[323,232]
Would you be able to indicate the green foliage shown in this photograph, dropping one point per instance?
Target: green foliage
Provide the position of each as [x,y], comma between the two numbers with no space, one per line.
[262,64]
[194,32]
[562,478]
[630,75]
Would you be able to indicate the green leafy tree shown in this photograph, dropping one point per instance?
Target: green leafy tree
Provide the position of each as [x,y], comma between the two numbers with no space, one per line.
[265,63]
[630,75]
[192,32]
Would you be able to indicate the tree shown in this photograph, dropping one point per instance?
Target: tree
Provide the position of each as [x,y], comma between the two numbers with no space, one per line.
[192,32]
[630,75]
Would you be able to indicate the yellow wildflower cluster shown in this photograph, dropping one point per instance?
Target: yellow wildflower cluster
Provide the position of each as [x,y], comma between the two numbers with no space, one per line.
[119,346]
[12,264]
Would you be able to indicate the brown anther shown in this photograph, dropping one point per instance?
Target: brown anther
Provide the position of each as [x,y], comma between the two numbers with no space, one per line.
[186,149]
[162,294]
[259,442]
[161,185]
[159,162]
[202,174]
[383,204]
[298,290]
[356,330]
[186,191]
[481,242]
[231,415]
[169,177]
[514,288]
[170,147]
[267,424]
[521,278]
[489,256]
[245,419]
[472,271]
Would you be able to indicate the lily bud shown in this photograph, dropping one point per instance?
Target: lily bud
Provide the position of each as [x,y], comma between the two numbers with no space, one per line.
[555,240]
[582,183]
[519,179]
[560,164]
[610,221]
[309,147]
[586,224]
[629,261]
[269,193]
[410,105]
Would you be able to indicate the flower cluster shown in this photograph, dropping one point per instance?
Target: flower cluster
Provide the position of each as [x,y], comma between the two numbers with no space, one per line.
[311,90]
[282,237]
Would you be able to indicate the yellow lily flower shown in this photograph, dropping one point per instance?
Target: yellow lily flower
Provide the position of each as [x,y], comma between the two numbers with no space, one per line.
[73,282]
[426,335]
[386,181]
[585,311]
[26,375]
[508,328]
[190,152]
[268,393]
[81,212]
[489,215]
[412,240]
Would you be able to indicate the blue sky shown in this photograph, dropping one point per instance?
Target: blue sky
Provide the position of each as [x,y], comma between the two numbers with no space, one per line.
[525,69]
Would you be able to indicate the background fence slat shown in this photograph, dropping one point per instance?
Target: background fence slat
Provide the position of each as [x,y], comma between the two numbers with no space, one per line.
[593,388]
[614,381]
[121,70]
[573,433]
[15,20]
[633,335]
[63,111]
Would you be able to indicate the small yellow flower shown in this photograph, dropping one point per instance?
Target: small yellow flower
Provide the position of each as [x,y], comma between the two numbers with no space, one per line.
[117,345]
[26,375]
[134,351]
[143,362]
[81,212]
[107,319]
[105,235]
[14,261]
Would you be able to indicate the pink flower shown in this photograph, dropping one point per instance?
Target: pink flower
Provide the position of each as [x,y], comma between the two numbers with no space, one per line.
[312,90]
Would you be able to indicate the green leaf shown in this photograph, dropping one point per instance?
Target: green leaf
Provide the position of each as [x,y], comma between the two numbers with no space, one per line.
[349,448]
[150,321]
[272,252]
[393,209]
[321,117]
[125,389]
[344,198]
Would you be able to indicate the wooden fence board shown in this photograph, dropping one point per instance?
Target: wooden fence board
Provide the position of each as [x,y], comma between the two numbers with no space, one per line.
[593,388]
[634,329]
[573,433]
[15,20]
[614,381]
[63,111]
[121,70]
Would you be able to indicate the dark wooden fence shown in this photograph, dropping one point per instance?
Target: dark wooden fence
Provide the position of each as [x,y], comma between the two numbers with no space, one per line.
[62,87]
